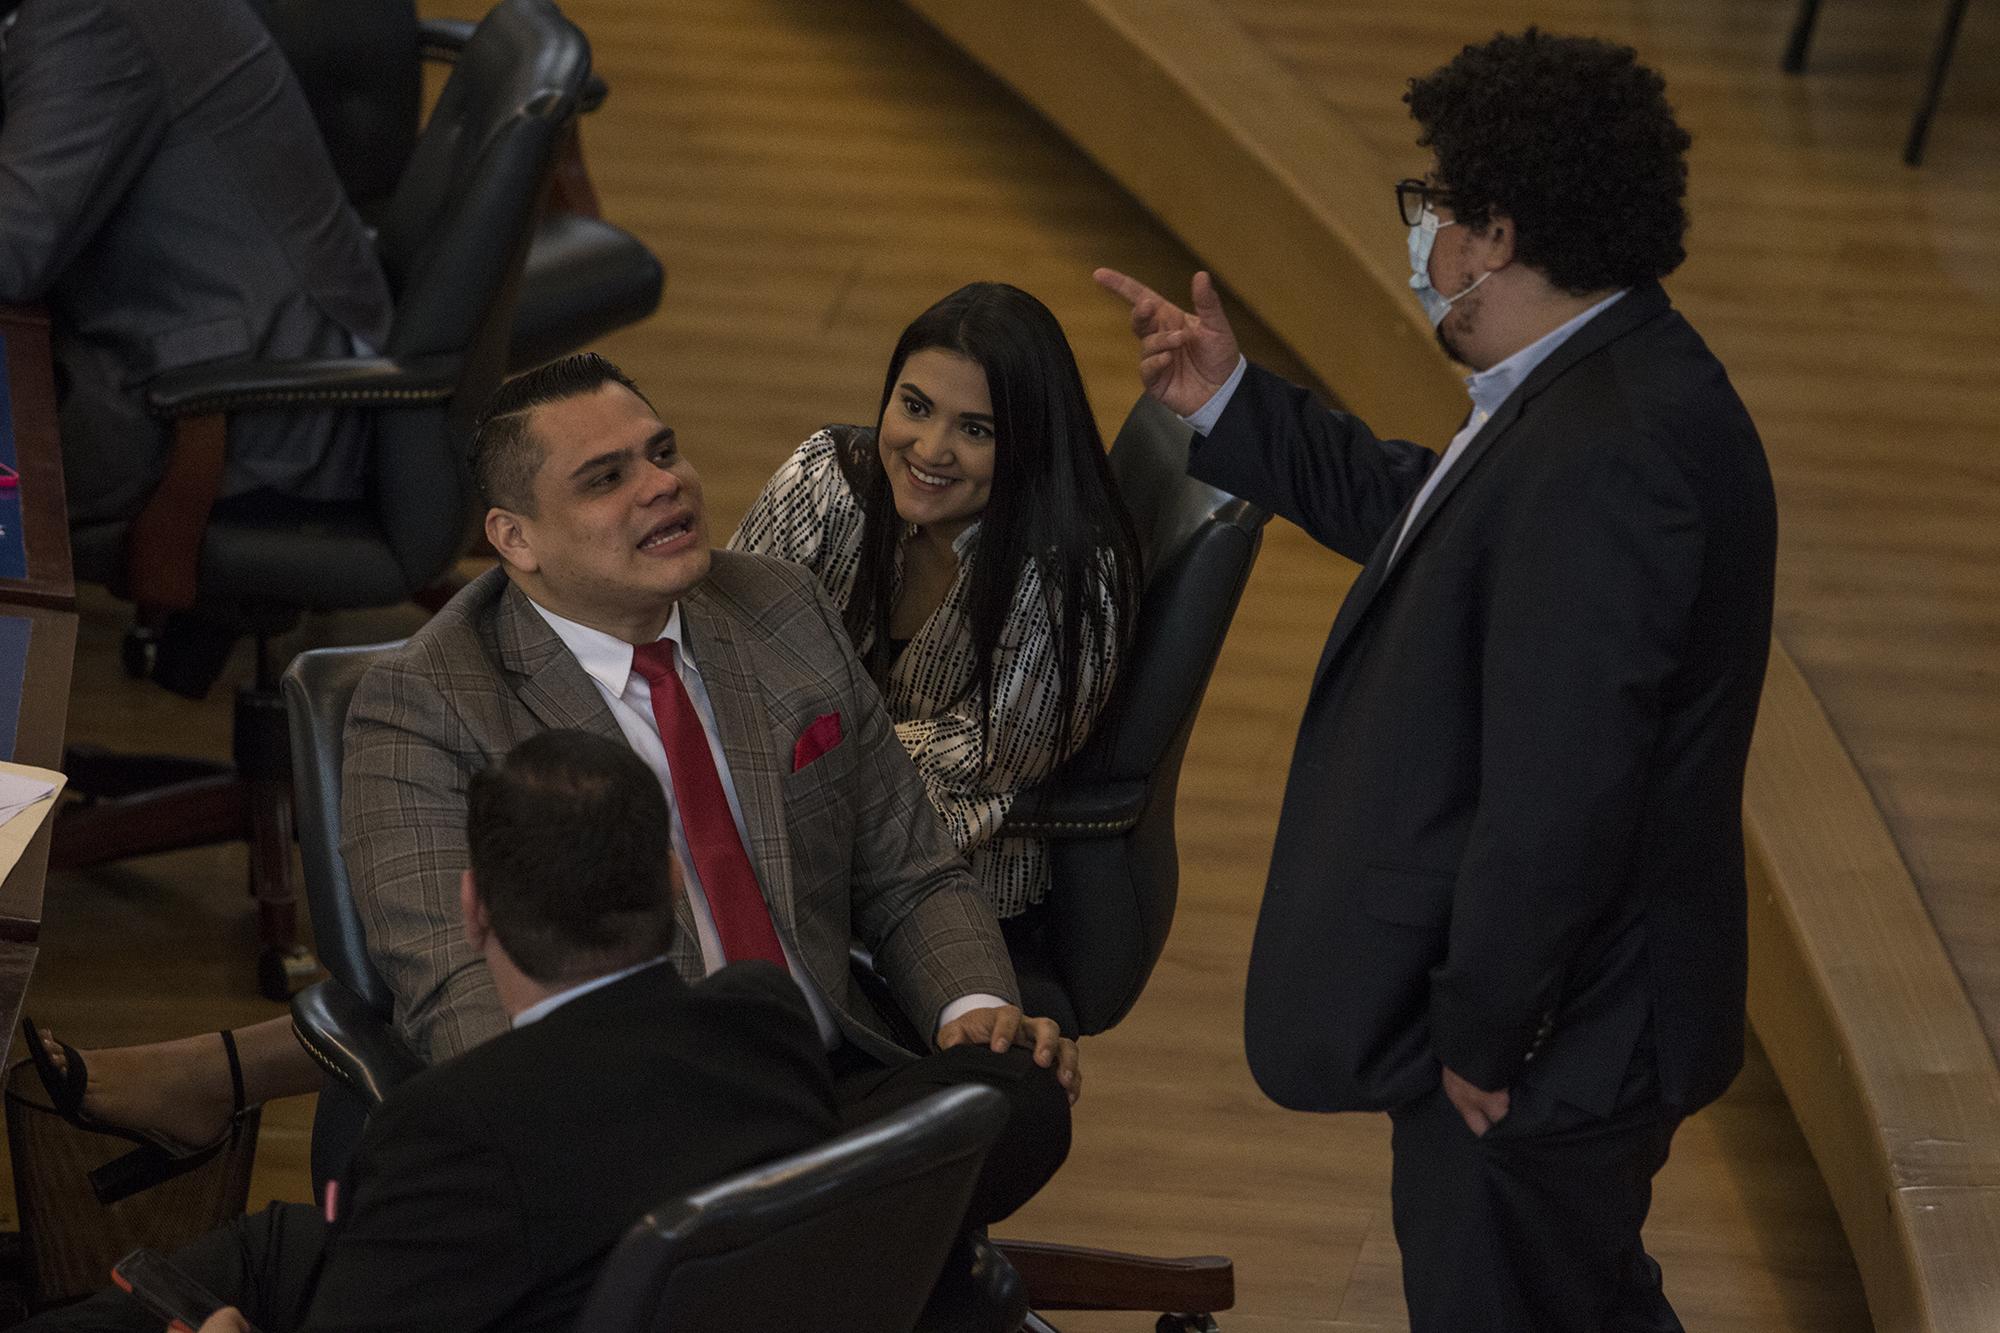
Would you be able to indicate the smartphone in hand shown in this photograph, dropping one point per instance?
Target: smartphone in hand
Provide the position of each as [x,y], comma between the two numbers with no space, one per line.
[153,1281]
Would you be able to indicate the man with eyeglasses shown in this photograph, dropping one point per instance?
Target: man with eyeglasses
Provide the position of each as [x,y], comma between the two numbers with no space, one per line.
[1506,901]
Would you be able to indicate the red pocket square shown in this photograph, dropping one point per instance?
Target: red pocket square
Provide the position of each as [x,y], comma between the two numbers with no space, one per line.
[816,740]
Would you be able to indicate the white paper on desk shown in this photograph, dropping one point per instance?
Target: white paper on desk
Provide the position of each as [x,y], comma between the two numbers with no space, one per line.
[27,795]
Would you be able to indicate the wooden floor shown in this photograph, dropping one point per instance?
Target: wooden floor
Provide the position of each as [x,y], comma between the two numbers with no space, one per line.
[814,172]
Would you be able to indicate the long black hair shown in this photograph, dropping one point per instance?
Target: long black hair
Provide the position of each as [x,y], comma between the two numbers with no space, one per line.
[1053,505]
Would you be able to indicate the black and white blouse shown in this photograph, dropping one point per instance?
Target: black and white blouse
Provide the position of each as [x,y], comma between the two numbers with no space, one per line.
[809,513]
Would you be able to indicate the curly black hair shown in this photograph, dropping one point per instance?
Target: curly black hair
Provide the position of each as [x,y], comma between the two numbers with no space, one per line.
[1572,139]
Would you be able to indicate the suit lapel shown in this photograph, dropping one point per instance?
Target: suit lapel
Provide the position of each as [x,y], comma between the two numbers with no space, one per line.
[745,728]
[1637,307]
[546,678]
[553,685]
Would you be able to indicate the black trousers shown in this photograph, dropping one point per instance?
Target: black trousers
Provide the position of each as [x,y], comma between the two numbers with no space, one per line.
[1031,1146]
[264,1264]
[1534,1226]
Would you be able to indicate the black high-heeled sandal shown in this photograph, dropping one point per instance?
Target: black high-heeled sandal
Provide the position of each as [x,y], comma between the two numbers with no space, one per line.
[156,1160]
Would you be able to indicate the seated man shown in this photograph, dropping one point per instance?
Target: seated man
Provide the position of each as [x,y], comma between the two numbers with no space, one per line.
[474,1201]
[798,817]
[164,190]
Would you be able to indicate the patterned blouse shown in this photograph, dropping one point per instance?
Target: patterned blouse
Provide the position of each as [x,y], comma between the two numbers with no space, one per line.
[808,513]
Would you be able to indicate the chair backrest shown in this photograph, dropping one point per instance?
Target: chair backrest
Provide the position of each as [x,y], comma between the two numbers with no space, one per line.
[1111,898]
[360,66]
[453,240]
[848,1237]
[318,687]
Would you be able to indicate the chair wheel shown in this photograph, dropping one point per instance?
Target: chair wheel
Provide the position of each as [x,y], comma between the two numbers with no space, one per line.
[1187,1323]
[138,650]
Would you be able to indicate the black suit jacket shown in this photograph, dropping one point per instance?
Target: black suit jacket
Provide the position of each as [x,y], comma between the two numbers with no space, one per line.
[1512,833]
[488,1190]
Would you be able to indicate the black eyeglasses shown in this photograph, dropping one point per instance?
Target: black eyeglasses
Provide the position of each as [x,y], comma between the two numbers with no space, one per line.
[1414,196]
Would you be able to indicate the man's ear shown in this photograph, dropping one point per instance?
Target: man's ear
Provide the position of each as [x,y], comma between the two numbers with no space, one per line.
[472,912]
[507,533]
[1493,244]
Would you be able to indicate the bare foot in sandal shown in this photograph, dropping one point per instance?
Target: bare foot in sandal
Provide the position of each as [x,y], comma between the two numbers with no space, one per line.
[177,1091]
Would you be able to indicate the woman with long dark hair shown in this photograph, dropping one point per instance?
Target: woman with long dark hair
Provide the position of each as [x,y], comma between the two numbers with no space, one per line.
[984,565]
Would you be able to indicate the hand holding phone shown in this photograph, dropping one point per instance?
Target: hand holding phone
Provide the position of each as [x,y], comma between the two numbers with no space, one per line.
[165,1290]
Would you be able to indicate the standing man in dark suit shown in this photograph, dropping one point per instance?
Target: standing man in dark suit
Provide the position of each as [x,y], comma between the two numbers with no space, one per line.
[1506,901]
[488,1190]
[164,190]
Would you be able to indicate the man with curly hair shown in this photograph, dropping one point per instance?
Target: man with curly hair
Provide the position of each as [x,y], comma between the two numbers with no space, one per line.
[1506,901]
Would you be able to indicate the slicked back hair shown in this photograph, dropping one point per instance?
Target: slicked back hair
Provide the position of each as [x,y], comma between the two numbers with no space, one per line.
[569,841]
[505,456]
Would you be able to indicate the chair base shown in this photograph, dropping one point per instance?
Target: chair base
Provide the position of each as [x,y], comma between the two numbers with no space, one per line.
[138,805]
[1166,1323]
[1071,1277]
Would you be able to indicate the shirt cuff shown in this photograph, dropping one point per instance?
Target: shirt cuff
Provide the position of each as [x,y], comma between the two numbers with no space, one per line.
[1203,418]
[964,1005]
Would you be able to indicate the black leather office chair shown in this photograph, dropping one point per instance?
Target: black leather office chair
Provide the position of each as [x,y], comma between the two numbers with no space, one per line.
[1109,817]
[361,65]
[848,1237]
[345,1023]
[453,239]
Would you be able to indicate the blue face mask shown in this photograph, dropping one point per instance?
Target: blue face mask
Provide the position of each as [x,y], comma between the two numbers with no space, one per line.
[1422,237]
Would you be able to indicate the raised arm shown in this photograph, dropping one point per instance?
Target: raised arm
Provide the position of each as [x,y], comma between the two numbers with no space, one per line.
[1185,356]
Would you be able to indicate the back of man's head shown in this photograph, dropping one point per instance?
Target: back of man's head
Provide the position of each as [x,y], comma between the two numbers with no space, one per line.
[569,845]
[505,456]
[1573,140]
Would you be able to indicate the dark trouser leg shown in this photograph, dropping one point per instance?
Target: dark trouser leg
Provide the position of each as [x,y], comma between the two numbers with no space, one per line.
[262,1263]
[1533,1228]
[1028,1151]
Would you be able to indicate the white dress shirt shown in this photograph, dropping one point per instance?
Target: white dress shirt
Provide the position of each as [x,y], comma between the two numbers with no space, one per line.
[607,660]
[548,1004]
[1488,388]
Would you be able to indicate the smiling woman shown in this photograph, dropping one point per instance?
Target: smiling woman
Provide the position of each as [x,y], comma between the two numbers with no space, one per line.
[984,565]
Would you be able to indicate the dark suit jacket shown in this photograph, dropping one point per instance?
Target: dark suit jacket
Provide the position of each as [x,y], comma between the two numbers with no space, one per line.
[1512,831]
[845,845]
[488,1190]
[164,190]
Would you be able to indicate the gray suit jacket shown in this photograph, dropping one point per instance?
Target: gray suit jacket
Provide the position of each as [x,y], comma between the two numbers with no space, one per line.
[846,846]
[163,189]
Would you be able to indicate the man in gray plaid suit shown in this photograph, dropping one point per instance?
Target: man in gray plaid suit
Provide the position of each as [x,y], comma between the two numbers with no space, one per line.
[605,571]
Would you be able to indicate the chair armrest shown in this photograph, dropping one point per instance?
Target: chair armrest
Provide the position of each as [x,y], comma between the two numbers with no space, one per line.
[352,1042]
[368,381]
[1094,811]
[1070,1277]
[441,40]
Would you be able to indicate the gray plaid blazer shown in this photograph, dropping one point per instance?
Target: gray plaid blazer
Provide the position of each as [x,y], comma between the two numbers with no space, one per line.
[846,846]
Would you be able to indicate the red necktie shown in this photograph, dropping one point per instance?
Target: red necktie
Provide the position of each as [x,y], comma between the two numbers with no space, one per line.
[741,919]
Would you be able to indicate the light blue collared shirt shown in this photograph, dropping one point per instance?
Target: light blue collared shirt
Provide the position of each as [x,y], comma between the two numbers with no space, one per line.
[1489,388]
